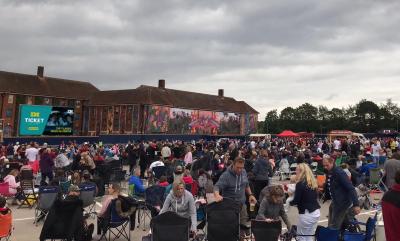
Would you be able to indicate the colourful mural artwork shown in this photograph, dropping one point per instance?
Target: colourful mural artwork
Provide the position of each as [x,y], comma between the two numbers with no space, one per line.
[229,123]
[250,123]
[206,123]
[180,119]
[162,119]
[157,119]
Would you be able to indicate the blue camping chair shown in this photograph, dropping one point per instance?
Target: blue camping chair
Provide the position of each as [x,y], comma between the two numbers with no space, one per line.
[367,235]
[117,226]
[321,234]
[326,234]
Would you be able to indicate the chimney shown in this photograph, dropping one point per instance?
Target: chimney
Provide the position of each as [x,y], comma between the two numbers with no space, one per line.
[161,83]
[40,71]
[221,92]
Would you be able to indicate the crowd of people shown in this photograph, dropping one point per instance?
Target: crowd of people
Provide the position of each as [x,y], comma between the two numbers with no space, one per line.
[225,169]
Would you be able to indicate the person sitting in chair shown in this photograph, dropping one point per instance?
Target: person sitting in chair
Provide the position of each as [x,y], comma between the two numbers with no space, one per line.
[14,186]
[137,182]
[114,191]
[66,218]
[182,202]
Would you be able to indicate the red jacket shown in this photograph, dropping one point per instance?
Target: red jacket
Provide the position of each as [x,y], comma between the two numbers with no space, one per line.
[391,213]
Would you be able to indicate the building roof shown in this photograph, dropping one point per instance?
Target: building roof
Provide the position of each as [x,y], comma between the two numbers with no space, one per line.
[36,85]
[169,97]
[45,86]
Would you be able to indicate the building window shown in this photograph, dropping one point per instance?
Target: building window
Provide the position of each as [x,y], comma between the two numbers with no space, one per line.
[38,100]
[71,103]
[46,101]
[116,118]
[10,99]
[29,100]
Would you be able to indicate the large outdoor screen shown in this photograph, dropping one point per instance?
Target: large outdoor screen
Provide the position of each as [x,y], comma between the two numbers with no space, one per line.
[36,120]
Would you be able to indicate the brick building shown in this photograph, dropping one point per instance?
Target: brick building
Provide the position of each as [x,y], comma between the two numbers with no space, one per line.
[144,110]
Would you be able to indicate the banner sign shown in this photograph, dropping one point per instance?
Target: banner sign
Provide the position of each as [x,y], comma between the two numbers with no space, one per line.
[38,120]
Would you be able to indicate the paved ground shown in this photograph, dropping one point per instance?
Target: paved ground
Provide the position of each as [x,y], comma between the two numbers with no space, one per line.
[25,230]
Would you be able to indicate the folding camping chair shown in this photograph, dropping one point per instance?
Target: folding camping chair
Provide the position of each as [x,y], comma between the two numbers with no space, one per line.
[284,170]
[321,179]
[5,190]
[266,231]
[6,226]
[88,195]
[159,171]
[223,220]
[116,225]
[170,226]
[293,167]
[321,234]
[154,198]
[376,180]
[47,197]
[146,205]
[64,221]
[367,235]
[314,167]
[29,193]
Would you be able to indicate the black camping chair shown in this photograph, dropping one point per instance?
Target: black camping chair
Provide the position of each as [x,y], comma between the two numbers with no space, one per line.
[170,226]
[266,231]
[87,195]
[159,171]
[26,174]
[64,221]
[115,225]
[47,196]
[223,220]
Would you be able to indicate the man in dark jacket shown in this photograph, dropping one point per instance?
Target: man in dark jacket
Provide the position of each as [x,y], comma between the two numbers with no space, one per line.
[132,156]
[262,170]
[46,165]
[391,210]
[343,194]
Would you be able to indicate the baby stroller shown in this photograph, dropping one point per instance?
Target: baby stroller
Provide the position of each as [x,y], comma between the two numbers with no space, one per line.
[223,220]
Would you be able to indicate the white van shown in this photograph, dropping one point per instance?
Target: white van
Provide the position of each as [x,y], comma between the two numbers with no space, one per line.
[260,136]
[360,136]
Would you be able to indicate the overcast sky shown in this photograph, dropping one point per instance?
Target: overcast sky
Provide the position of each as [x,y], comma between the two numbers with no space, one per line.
[271,54]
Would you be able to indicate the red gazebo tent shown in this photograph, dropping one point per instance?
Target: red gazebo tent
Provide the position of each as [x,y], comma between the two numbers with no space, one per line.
[287,133]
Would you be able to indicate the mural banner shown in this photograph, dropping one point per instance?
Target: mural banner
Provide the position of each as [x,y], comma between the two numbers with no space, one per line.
[157,119]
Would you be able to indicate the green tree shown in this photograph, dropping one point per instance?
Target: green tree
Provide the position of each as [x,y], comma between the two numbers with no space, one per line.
[271,123]
[287,118]
[367,116]
[390,115]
